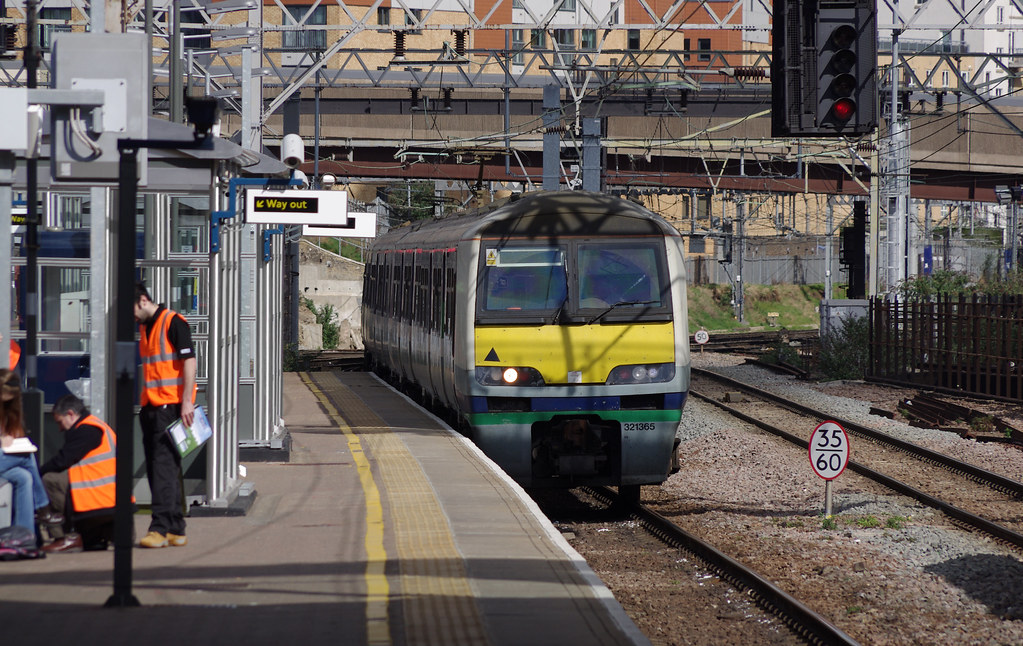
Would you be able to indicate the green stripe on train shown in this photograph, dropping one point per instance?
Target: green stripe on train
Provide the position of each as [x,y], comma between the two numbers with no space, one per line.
[490,419]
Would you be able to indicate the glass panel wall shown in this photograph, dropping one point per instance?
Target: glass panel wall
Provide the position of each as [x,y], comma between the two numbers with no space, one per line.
[175,268]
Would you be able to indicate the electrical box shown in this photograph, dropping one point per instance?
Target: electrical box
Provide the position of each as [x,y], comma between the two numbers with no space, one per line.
[84,141]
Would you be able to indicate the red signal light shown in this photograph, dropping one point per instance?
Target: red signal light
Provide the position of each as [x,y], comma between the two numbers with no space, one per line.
[843,109]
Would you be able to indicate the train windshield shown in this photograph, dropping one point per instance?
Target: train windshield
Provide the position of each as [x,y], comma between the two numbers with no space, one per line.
[626,275]
[524,279]
[577,283]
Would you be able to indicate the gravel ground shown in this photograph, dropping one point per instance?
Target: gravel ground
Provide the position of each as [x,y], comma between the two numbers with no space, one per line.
[889,572]
[940,584]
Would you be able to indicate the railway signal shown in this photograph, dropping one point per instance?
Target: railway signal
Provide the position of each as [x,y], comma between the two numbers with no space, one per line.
[823,68]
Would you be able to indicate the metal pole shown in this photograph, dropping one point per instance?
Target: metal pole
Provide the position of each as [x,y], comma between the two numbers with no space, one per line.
[316,130]
[7,165]
[32,398]
[551,137]
[828,237]
[827,498]
[174,74]
[124,393]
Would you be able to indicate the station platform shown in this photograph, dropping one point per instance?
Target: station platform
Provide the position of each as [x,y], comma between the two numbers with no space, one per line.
[385,527]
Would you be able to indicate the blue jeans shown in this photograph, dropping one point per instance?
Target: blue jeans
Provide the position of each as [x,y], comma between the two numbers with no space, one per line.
[21,470]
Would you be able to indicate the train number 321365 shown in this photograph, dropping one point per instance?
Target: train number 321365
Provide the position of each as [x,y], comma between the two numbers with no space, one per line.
[638,426]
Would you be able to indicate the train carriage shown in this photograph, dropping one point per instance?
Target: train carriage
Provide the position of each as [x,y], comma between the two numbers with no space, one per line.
[552,325]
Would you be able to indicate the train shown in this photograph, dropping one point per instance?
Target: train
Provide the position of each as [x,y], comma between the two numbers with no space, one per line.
[551,327]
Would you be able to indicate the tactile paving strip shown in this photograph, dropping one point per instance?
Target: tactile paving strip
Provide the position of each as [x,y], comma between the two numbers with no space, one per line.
[437,598]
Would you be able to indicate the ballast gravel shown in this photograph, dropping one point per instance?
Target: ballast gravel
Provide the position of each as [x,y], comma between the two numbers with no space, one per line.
[888,570]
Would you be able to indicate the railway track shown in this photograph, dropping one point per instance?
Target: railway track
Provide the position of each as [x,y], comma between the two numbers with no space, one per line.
[318,360]
[968,501]
[746,342]
[801,620]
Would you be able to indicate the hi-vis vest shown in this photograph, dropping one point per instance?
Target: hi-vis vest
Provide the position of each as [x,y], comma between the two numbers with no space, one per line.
[15,355]
[92,479]
[163,373]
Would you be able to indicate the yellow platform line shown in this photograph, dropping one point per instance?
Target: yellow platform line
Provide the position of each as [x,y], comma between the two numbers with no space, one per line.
[378,592]
[438,600]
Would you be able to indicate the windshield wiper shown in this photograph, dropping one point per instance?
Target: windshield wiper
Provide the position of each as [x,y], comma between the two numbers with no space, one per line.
[557,313]
[618,304]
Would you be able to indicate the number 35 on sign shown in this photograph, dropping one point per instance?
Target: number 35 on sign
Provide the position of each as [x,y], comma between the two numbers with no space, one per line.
[829,450]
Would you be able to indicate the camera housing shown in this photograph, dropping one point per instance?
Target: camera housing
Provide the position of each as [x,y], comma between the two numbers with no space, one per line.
[292,150]
[203,113]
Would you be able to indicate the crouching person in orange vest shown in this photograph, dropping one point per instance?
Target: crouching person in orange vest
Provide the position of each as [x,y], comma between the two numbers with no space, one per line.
[84,469]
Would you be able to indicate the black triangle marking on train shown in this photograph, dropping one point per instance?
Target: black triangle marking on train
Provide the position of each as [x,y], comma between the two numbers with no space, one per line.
[492,356]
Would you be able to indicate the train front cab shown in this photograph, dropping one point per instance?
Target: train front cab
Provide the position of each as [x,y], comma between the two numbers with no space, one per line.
[581,359]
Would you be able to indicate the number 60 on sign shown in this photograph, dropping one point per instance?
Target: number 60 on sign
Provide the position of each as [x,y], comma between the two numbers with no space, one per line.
[829,450]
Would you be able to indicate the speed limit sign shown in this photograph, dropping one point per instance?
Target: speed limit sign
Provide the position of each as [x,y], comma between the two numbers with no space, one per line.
[701,336]
[829,450]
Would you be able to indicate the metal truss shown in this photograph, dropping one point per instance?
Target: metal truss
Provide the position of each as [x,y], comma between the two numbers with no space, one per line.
[599,71]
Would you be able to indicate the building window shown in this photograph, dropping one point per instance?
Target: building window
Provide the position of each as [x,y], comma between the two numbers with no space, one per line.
[47,32]
[633,39]
[703,44]
[1000,15]
[537,38]
[567,5]
[565,38]
[944,78]
[588,39]
[517,46]
[686,44]
[383,15]
[614,17]
[305,39]
[412,18]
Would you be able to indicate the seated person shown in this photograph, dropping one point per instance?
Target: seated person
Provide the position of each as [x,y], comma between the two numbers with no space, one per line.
[85,468]
[18,467]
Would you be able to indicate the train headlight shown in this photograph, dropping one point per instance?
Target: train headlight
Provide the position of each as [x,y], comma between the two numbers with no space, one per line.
[644,373]
[508,376]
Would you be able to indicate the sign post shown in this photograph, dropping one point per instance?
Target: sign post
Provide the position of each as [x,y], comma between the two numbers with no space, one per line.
[701,337]
[829,455]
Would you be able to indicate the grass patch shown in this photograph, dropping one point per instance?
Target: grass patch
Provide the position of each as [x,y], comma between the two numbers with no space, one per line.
[868,522]
[797,307]
[896,522]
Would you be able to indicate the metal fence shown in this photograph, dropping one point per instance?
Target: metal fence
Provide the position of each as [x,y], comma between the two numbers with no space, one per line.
[770,261]
[972,345]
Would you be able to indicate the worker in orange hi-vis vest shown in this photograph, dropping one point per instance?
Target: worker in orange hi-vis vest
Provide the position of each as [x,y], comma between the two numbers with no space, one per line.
[168,394]
[82,473]
[15,353]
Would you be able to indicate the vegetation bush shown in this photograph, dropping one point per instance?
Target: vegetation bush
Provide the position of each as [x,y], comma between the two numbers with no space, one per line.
[956,283]
[844,352]
[325,316]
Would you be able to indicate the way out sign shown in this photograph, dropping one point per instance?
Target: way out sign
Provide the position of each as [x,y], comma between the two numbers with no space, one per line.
[829,450]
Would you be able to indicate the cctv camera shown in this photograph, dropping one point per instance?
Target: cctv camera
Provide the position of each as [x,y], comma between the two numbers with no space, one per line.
[292,150]
[327,180]
[203,112]
[300,176]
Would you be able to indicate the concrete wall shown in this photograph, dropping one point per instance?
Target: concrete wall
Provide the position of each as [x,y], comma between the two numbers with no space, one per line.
[328,279]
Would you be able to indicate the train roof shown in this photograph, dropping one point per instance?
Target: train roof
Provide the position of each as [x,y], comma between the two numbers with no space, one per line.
[546,214]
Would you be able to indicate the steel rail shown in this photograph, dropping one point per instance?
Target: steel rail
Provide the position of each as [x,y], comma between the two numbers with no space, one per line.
[983,476]
[801,619]
[960,515]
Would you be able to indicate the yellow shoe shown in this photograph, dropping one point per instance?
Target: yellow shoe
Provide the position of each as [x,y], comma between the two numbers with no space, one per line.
[177,540]
[153,539]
